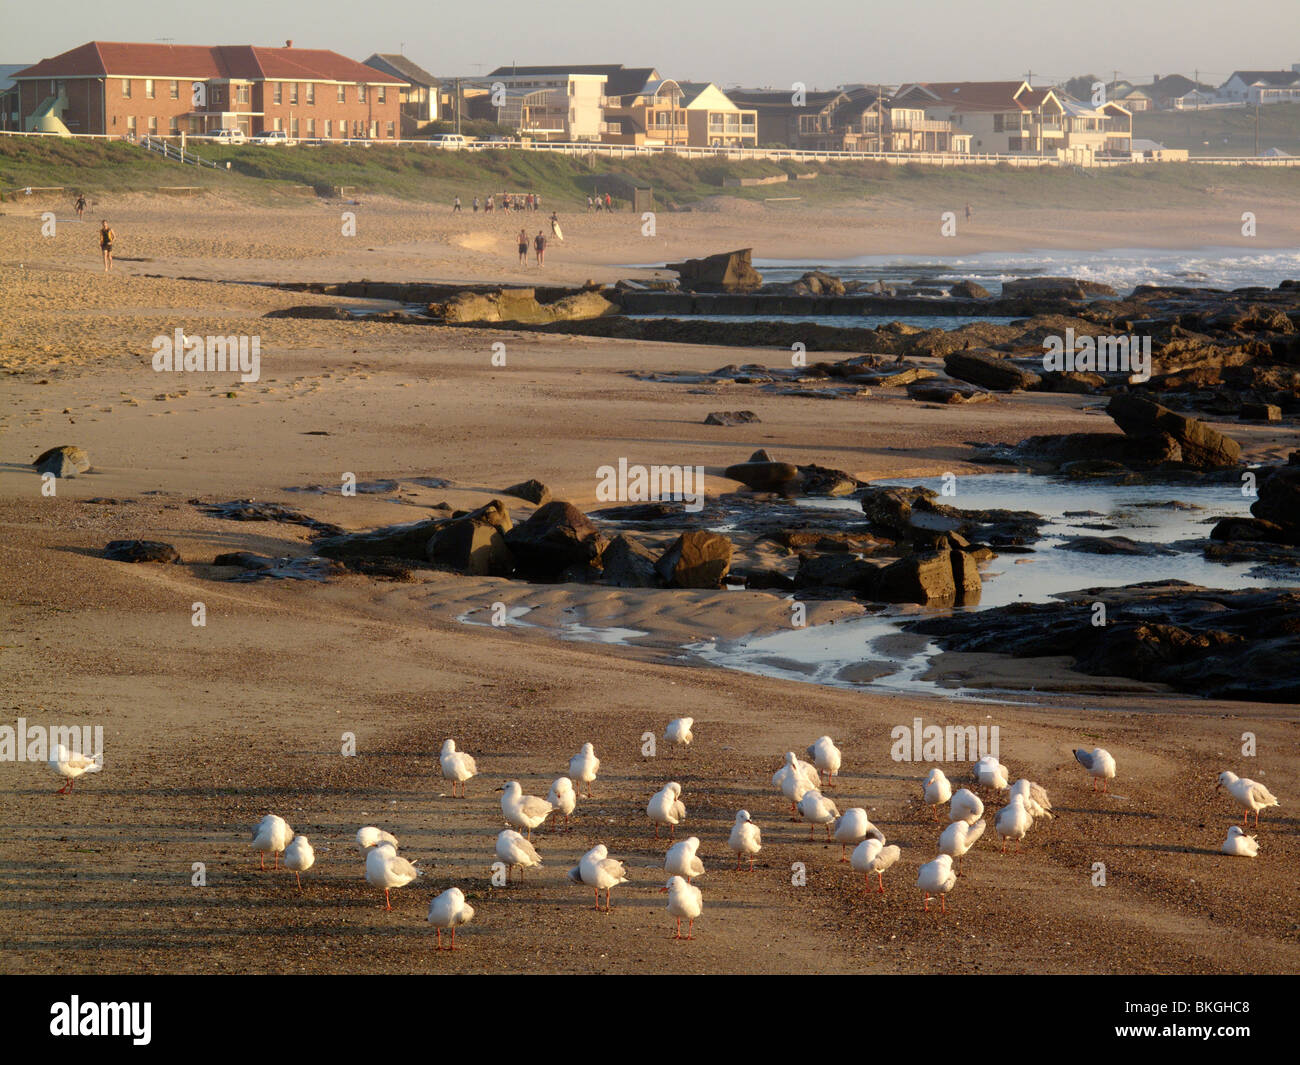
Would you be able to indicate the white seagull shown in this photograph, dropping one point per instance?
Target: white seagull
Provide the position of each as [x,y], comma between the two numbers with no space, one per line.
[966,806]
[598,870]
[936,791]
[681,859]
[1099,764]
[1251,796]
[684,900]
[450,910]
[370,836]
[852,827]
[1240,844]
[872,856]
[299,857]
[816,809]
[272,835]
[583,766]
[563,798]
[745,839]
[666,808]
[826,757]
[990,773]
[937,878]
[457,766]
[522,811]
[514,849]
[386,869]
[679,732]
[794,778]
[958,838]
[70,766]
[1035,796]
[1013,822]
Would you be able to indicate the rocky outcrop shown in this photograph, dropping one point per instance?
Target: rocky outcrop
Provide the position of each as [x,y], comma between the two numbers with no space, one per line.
[969,290]
[141,551]
[533,491]
[990,370]
[522,305]
[629,564]
[1199,445]
[947,392]
[764,475]
[1058,287]
[555,537]
[731,271]
[68,460]
[731,417]
[696,559]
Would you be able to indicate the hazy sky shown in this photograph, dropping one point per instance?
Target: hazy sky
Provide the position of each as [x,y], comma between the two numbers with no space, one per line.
[760,42]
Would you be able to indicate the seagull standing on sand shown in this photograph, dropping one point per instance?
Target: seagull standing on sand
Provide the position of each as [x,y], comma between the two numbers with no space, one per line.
[679,732]
[598,870]
[990,773]
[1013,822]
[794,778]
[827,758]
[966,806]
[563,798]
[450,910]
[681,859]
[684,900]
[522,811]
[872,856]
[514,850]
[958,838]
[816,809]
[583,766]
[370,836]
[299,857]
[1240,844]
[936,790]
[852,827]
[271,835]
[666,808]
[745,839]
[937,878]
[386,869]
[1035,796]
[457,766]
[1099,764]
[70,766]
[1251,796]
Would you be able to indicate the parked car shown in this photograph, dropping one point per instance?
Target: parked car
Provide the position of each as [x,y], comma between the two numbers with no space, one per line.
[273,136]
[451,141]
[229,136]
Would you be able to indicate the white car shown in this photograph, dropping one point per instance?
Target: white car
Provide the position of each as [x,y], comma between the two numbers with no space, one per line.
[229,136]
[271,137]
[452,141]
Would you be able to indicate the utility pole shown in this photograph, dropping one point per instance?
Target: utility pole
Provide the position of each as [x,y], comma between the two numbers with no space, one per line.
[880,118]
[458,105]
[1257,129]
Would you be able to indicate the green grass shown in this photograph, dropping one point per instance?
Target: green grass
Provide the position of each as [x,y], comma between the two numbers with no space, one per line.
[430,175]
[1226,132]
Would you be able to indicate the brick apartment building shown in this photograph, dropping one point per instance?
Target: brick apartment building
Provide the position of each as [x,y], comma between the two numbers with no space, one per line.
[163,90]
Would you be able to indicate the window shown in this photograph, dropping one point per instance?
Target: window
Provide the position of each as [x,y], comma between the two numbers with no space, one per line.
[311,93]
[174,90]
[277,94]
[327,129]
[293,92]
[311,127]
[342,94]
[130,125]
[148,89]
[361,94]
[173,126]
[374,129]
[391,131]
[126,88]
[241,94]
[382,93]
[217,94]
[278,124]
[153,125]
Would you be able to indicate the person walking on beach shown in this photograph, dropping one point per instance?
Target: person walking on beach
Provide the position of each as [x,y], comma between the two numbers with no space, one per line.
[523,247]
[609,202]
[968,212]
[539,243]
[80,206]
[487,206]
[556,231]
[476,205]
[455,206]
[106,238]
[588,204]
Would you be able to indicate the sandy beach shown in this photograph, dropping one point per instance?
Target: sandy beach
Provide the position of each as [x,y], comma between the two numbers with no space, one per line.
[208,728]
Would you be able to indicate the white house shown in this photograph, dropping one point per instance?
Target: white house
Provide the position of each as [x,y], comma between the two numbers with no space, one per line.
[1262,86]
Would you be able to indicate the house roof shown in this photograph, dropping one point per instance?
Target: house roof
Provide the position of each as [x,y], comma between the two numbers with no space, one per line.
[1267,77]
[619,80]
[781,101]
[403,68]
[240,61]
[977,95]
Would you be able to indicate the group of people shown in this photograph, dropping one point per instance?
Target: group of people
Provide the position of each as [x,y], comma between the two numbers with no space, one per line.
[508,201]
[538,242]
[600,203]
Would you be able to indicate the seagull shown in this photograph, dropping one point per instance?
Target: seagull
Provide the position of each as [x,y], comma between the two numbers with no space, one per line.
[1035,796]
[299,857]
[958,838]
[584,765]
[852,827]
[1013,822]
[990,773]
[826,757]
[450,910]
[385,869]
[872,856]
[1240,844]
[684,900]
[514,850]
[679,732]
[598,870]
[937,878]
[563,798]
[271,834]
[666,808]
[523,811]
[936,791]
[1251,796]
[816,809]
[745,839]
[1099,763]
[370,836]
[457,766]
[681,859]
[70,765]
[966,806]
[794,778]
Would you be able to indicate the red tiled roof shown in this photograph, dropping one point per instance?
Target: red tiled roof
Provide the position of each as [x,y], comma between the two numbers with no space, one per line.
[976,95]
[110,58]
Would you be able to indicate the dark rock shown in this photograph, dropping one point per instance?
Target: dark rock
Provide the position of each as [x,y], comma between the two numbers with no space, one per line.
[1255,530]
[141,551]
[471,546]
[1071,381]
[970,290]
[1201,446]
[726,272]
[1114,545]
[557,535]
[731,417]
[989,370]
[779,477]
[328,313]
[1260,412]
[696,560]
[1059,287]
[244,560]
[533,491]
[408,541]
[838,571]
[67,460]
[1279,499]
[923,578]
[947,392]
[822,481]
[628,564]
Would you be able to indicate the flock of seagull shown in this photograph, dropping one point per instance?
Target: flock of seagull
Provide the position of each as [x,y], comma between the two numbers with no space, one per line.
[800,782]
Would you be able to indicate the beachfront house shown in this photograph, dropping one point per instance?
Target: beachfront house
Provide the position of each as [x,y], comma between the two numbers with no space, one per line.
[418,95]
[804,121]
[9,95]
[138,90]
[663,111]
[558,103]
[714,120]
[1262,86]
